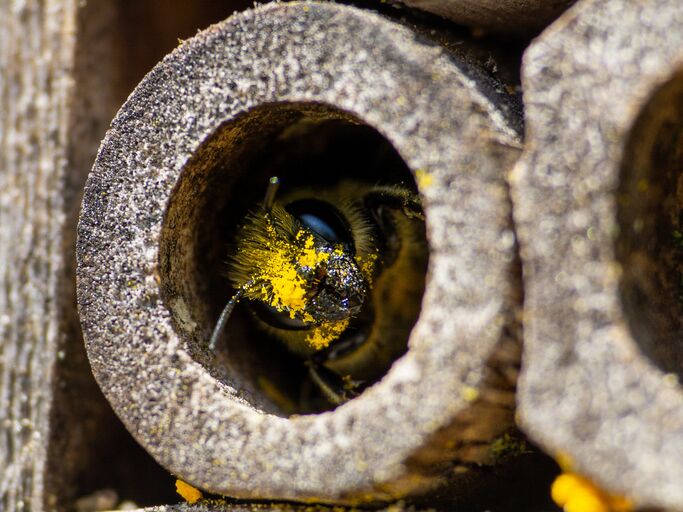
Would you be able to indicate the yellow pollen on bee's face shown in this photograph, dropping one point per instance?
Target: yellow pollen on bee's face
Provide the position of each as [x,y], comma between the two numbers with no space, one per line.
[279,269]
[278,279]
[309,256]
[288,290]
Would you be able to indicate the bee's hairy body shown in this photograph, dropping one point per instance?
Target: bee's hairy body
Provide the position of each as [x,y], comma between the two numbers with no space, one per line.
[337,275]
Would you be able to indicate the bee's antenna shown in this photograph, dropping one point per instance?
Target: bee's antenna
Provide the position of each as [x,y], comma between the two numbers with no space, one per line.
[273,184]
[223,319]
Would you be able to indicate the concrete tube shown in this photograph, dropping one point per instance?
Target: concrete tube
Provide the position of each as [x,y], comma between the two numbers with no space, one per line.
[152,232]
[598,203]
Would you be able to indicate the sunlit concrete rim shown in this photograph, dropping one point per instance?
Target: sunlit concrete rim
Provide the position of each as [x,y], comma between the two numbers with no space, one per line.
[586,389]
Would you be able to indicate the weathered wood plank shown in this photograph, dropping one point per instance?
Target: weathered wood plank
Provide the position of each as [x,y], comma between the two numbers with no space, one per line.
[37,41]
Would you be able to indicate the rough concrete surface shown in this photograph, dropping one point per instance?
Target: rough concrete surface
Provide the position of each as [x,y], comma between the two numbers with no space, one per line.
[146,334]
[597,210]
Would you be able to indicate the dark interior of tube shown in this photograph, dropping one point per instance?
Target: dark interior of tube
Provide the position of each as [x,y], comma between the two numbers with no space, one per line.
[308,146]
[649,245]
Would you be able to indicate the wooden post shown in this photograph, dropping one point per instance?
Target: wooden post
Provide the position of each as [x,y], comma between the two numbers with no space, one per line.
[37,47]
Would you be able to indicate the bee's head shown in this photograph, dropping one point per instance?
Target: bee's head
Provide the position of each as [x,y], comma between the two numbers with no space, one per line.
[338,286]
[341,291]
[297,266]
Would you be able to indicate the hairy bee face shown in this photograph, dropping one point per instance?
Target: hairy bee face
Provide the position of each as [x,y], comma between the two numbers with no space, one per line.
[298,268]
[336,276]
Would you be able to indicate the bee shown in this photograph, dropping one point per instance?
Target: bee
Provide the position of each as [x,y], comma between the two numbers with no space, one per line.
[336,275]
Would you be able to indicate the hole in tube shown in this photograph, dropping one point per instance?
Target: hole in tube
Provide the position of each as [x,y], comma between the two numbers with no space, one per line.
[343,283]
[649,245]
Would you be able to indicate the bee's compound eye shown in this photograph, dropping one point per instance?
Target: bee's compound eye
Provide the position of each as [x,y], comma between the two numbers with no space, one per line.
[323,219]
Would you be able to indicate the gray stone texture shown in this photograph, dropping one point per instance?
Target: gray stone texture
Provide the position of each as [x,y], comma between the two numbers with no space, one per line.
[597,207]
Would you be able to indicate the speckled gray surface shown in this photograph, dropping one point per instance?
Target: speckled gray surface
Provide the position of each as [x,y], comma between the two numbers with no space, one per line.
[195,422]
[587,389]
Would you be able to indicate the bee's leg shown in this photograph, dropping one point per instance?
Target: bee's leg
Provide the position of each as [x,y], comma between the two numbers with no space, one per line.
[335,392]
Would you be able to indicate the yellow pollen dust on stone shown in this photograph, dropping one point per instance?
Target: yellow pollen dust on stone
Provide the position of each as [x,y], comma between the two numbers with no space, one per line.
[189,493]
[576,493]
[423,178]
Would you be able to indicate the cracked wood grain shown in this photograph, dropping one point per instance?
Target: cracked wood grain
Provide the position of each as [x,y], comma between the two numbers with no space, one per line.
[37,40]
